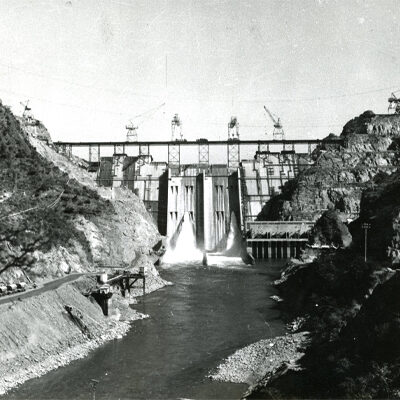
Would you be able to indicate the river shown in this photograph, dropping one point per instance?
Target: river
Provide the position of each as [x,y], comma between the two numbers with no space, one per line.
[205,316]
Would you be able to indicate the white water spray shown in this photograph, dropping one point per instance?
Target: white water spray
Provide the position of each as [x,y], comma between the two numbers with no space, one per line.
[182,247]
[234,241]
[231,249]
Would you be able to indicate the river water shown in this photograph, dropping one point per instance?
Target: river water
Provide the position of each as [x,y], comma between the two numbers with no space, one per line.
[205,316]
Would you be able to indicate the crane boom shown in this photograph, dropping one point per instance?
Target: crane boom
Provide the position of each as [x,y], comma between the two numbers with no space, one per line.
[147,114]
[278,132]
[270,115]
[133,127]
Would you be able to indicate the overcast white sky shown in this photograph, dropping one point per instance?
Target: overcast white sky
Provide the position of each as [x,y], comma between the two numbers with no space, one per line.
[88,66]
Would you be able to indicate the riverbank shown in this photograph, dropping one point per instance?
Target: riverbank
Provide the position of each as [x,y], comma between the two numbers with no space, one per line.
[38,335]
[262,359]
[351,308]
[73,227]
[27,368]
[205,316]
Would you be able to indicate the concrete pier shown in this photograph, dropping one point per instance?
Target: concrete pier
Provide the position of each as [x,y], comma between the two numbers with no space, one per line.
[208,196]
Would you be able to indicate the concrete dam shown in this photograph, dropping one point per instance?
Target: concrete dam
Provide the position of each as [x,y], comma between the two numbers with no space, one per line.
[208,195]
[214,199]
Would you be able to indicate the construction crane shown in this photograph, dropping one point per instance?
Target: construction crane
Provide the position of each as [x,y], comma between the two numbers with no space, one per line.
[176,128]
[132,127]
[233,129]
[27,114]
[131,132]
[394,103]
[278,133]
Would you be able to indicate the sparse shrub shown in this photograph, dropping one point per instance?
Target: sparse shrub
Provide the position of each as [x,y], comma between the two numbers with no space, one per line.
[35,184]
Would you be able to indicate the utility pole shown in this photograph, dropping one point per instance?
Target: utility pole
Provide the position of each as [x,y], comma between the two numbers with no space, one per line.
[365,226]
[166,71]
[93,384]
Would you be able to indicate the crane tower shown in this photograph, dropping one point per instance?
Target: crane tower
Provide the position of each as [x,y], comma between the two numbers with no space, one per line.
[278,133]
[176,128]
[131,132]
[394,103]
[132,127]
[27,113]
[233,129]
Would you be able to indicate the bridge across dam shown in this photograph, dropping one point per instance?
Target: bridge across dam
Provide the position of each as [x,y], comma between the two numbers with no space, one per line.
[233,148]
[210,194]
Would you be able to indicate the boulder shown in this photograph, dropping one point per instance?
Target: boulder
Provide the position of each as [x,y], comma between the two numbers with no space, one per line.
[330,230]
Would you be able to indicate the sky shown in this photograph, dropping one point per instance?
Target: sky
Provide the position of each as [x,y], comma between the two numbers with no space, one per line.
[88,67]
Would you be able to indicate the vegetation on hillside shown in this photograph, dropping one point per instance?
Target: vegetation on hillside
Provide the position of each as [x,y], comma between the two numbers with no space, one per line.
[351,307]
[37,201]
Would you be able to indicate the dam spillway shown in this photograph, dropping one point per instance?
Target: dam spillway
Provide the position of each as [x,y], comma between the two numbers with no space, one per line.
[210,194]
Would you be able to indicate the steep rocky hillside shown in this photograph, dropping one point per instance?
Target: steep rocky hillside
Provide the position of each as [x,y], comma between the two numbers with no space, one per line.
[352,311]
[351,307]
[380,207]
[38,334]
[53,218]
[55,221]
[339,176]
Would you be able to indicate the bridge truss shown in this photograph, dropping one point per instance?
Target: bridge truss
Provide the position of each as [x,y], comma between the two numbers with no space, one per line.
[233,148]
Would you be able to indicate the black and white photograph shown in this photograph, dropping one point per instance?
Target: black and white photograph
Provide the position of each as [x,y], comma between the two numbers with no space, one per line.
[199,199]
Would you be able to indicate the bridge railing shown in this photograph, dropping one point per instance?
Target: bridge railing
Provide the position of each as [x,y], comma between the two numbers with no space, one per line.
[278,229]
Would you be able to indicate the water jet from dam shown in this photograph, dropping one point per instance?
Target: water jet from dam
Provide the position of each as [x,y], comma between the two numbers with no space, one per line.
[231,250]
[182,247]
[234,241]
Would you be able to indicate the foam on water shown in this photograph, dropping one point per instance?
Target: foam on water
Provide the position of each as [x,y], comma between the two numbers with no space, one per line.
[218,260]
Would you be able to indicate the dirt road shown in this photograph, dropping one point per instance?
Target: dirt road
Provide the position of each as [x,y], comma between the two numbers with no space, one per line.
[54,284]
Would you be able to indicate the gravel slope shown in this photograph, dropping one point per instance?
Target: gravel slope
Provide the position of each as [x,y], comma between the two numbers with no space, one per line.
[252,363]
